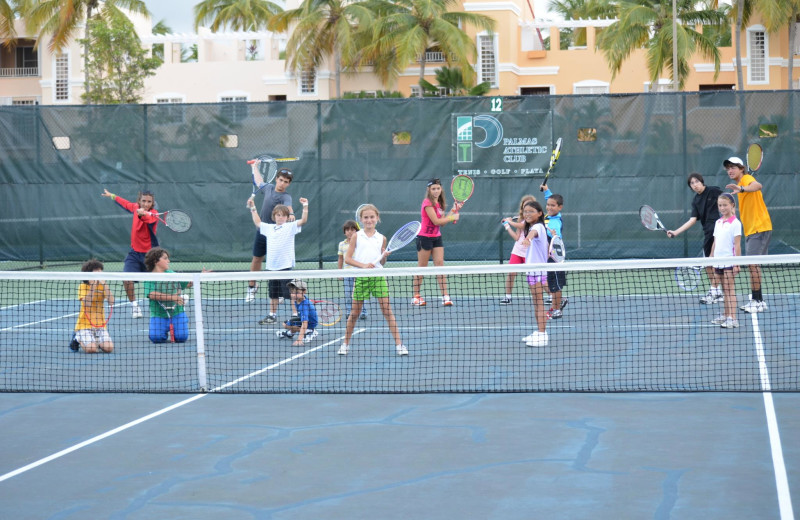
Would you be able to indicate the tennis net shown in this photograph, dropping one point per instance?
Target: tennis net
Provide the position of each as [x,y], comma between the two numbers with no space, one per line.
[625,326]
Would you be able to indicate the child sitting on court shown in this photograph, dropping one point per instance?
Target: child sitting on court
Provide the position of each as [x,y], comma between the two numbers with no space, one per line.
[556,280]
[280,250]
[91,330]
[305,323]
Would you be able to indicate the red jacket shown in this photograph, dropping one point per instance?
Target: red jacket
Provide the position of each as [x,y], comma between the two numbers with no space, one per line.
[143,229]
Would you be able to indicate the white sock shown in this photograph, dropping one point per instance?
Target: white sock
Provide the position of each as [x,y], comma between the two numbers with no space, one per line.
[135,304]
[508,296]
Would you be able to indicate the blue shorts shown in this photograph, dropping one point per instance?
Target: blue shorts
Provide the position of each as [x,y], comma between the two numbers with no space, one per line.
[159,328]
[134,262]
[259,245]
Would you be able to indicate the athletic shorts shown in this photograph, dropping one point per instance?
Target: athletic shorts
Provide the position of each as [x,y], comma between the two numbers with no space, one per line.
[372,285]
[159,328]
[721,270]
[535,279]
[87,336]
[259,245]
[757,243]
[134,262]
[428,243]
[294,321]
[279,288]
[516,259]
[556,280]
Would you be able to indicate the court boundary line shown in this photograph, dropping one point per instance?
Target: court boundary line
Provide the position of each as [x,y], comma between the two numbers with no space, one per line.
[776,449]
[153,415]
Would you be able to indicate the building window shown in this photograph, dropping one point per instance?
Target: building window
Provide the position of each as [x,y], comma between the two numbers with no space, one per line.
[598,88]
[487,60]
[62,77]
[168,114]
[254,50]
[534,91]
[158,51]
[757,53]
[416,91]
[189,52]
[308,82]
[27,58]
[234,109]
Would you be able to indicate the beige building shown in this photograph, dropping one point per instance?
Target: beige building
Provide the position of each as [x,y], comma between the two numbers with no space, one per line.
[211,67]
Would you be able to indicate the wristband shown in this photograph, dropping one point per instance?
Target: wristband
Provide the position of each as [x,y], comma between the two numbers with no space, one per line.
[253,209]
[304,205]
[741,189]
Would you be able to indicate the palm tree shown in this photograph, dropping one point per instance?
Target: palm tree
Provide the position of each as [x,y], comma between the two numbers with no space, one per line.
[60,19]
[453,81]
[648,24]
[8,9]
[323,28]
[162,28]
[581,9]
[408,28]
[238,15]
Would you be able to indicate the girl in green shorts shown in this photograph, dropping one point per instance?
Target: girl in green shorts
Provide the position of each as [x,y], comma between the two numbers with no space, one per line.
[366,251]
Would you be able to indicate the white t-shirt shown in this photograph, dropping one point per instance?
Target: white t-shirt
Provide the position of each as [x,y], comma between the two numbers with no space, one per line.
[725,230]
[280,245]
[368,249]
[537,251]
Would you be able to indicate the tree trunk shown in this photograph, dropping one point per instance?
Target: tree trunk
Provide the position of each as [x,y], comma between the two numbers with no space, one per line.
[792,36]
[86,54]
[739,75]
[421,73]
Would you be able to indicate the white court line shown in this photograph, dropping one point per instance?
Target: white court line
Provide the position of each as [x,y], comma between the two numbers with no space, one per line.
[779,467]
[62,317]
[153,415]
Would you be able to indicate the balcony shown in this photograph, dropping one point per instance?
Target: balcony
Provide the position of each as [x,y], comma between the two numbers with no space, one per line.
[433,57]
[19,72]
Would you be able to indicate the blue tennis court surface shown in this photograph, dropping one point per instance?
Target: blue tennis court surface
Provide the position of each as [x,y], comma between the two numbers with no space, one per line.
[437,456]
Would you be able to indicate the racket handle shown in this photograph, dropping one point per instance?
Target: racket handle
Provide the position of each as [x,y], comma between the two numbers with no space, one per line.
[251,197]
[171,333]
[253,161]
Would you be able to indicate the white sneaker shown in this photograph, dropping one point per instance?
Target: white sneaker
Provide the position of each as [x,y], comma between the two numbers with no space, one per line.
[505,300]
[343,350]
[310,335]
[729,323]
[137,311]
[548,299]
[754,306]
[251,294]
[719,320]
[712,296]
[283,334]
[402,350]
[538,339]
[446,301]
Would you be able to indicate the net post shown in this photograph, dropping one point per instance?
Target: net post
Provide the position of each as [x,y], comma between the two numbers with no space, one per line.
[198,323]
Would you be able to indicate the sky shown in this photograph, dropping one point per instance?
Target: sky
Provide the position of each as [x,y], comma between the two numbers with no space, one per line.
[179,14]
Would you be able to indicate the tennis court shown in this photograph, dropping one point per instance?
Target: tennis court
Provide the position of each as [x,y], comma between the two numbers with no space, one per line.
[638,408]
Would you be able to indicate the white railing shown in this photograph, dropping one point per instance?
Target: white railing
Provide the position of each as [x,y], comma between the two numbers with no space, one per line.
[432,57]
[19,72]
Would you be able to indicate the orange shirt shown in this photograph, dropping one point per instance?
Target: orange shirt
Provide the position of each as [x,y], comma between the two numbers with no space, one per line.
[753,210]
[93,307]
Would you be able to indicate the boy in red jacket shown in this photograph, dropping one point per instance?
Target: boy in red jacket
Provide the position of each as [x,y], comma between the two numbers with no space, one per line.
[143,238]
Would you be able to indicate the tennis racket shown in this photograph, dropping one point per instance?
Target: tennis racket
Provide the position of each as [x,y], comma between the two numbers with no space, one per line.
[650,219]
[264,168]
[401,238]
[175,219]
[755,155]
[553,160]
[687,278]
[358,215]
[461,188]
[557,250]
[328,313]
[171,307]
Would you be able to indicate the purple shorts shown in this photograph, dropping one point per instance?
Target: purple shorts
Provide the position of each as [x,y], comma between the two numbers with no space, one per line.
[534,279]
